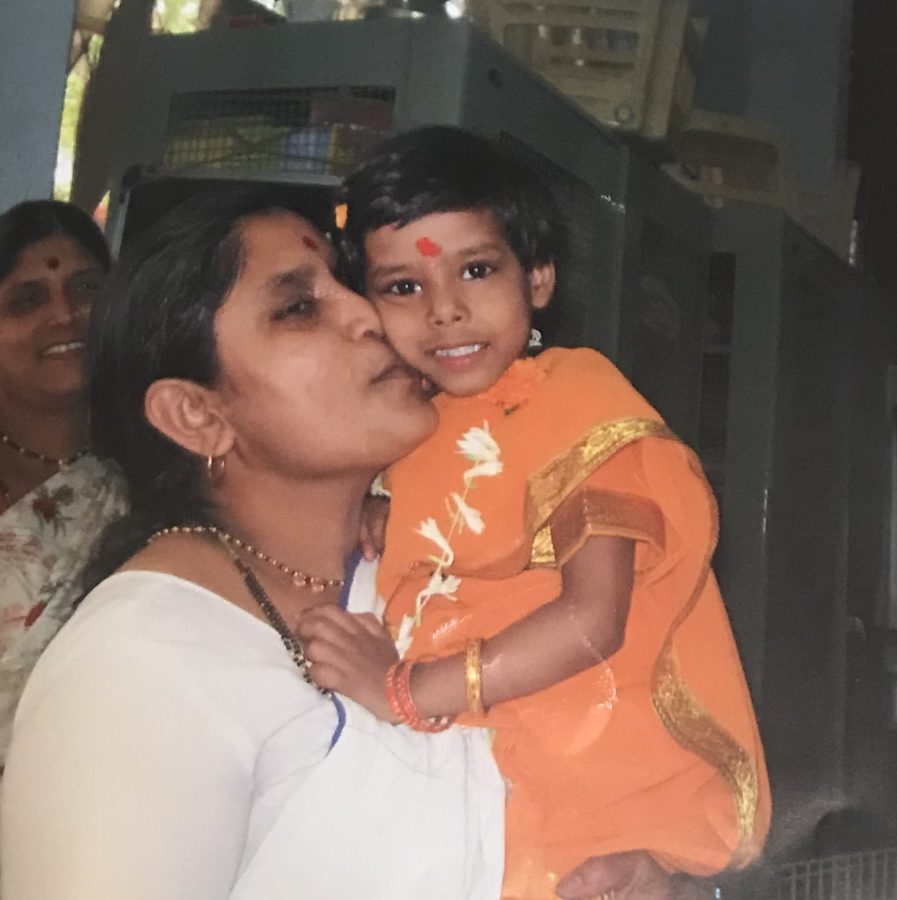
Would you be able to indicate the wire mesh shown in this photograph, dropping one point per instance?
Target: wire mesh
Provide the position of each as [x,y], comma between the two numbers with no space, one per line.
[319,130]
[870,875]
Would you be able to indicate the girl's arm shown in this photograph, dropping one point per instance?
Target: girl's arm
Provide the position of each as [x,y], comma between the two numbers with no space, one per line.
[581,627]
[584,625]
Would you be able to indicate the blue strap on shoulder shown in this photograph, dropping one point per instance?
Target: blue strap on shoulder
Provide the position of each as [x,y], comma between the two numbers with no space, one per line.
[351,565]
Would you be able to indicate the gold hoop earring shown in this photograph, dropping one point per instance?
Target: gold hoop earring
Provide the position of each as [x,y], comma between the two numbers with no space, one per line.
[215,466]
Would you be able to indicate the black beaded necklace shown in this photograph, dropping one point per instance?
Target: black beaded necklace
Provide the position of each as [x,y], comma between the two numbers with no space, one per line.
[61,464]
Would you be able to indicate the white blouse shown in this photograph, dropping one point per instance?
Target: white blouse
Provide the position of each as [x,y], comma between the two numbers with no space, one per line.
[167,748]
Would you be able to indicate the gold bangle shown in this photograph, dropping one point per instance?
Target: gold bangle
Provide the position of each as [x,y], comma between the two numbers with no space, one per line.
[473,676]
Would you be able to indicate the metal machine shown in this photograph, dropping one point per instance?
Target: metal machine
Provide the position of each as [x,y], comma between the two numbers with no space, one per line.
[760,348]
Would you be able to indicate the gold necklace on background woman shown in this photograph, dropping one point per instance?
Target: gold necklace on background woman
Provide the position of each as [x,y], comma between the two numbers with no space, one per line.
[58,464]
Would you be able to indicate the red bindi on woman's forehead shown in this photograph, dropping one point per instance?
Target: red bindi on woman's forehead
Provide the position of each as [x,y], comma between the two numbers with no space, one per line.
[310,243]
[53,262]
[427,247]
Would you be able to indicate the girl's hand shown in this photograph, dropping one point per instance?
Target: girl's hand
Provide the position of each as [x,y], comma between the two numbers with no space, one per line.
[629,876]
[350,654]
[374,515]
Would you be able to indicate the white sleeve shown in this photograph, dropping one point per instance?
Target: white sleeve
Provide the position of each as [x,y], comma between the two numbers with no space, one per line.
[149,801]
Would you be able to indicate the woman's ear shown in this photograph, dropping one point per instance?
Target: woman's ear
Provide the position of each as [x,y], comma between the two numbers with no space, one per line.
[185,413]
[541,285]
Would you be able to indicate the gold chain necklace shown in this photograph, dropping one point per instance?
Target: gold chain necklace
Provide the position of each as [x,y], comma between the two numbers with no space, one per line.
[62,464]
[298,577]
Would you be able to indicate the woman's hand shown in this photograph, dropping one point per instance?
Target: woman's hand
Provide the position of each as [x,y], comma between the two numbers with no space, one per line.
[374,515]
[630,876]
[350,654]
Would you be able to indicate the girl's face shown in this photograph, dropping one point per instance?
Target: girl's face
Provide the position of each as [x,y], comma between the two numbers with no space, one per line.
[44,307]
[307,382]
[454,299]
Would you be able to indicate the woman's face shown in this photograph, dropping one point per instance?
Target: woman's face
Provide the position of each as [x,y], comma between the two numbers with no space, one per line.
[306,381]
[44,307]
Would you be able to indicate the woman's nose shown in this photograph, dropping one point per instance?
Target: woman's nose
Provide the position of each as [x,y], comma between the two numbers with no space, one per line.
[360,317]
[63,307]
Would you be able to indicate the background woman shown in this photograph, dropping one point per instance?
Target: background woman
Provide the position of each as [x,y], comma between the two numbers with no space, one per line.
[55,498]
[167,746]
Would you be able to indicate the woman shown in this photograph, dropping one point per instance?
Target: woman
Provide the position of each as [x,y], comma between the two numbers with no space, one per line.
[55,498]
[167,746]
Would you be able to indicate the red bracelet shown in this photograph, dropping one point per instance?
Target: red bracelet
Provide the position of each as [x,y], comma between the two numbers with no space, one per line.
[401,703]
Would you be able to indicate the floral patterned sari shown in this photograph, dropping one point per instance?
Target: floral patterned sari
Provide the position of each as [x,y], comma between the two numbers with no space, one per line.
[46,539]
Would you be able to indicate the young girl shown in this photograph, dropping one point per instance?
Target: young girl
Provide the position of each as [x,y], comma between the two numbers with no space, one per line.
[547,564]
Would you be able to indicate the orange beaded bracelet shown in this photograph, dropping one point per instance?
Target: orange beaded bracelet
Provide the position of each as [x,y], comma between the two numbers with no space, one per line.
[398,695]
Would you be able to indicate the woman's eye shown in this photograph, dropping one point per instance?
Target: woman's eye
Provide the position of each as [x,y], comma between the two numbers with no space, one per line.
[87,288]
[477,270]
[402,288]
[304,308]
[24,301]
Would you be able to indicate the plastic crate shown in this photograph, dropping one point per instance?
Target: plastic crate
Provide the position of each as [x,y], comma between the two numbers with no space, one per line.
[730,158]
[624,61]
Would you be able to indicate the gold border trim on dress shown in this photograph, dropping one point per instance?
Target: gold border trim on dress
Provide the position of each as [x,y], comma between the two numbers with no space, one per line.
[680,711]
[554,482]
[692,726]
[599,512]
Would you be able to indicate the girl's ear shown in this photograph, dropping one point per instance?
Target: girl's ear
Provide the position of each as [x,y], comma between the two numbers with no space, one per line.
[185,413]
[541,285]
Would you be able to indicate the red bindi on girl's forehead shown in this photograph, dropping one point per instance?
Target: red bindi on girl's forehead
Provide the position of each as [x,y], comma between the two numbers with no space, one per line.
[426,247]
[311,244]
[53,262]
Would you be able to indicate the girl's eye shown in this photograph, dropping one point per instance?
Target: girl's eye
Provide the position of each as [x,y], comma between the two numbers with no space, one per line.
[403,288]
[303,308]
[476,270]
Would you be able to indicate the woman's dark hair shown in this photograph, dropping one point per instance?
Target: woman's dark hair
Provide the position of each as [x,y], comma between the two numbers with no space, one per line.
[34,220]
[444,169]
[155,319]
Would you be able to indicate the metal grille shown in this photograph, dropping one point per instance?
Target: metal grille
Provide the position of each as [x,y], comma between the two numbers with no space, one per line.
[322,130]
[870,875]
[564,322]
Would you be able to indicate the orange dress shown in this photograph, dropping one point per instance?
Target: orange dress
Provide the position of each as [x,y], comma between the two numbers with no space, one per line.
[656,749]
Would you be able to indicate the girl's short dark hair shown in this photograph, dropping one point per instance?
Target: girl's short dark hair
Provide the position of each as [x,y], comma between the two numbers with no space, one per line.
[155,319]
[34,220]
[444,169]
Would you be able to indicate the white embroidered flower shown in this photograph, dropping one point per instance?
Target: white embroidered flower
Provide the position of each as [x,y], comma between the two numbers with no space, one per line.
[378,487]
[478,445]
[403,639]
[445,629]
[480,448]
[483,469]
[430,530]
[469,517]
[439,585]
